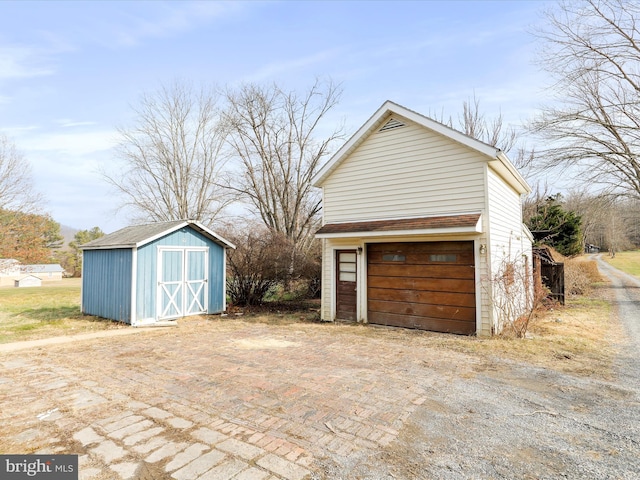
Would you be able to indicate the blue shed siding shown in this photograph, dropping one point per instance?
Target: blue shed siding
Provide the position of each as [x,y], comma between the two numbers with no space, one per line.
[217,276]
[147,274]
[106,283]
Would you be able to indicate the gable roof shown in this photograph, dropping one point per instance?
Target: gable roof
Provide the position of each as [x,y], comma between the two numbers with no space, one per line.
[139,235]
[496,157]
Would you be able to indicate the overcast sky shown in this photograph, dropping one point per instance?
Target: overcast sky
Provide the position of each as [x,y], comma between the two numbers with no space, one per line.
[70,71]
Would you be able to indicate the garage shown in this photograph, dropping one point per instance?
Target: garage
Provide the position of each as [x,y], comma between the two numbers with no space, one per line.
[426,285]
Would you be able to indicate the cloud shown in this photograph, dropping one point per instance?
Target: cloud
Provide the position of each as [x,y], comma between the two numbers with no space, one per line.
[22,62]
[66,123]
[74,144]
[275,69]
[167,20]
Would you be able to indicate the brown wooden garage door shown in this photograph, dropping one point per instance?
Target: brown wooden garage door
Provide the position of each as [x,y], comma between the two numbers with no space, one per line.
[430,286]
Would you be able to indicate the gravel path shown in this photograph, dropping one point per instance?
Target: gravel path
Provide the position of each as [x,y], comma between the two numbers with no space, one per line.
[515,421]
[626,291]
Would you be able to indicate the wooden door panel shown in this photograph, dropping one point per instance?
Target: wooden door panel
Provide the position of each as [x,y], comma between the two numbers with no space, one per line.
[346,285]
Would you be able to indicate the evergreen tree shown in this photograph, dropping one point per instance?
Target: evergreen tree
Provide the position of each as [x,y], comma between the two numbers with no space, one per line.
[554,226]
[80,238]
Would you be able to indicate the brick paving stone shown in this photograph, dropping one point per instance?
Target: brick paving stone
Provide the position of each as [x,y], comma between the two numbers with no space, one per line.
[85,399]
[137,405]
[200,465]
[305,461]
[114,418]
[186,456]
[150,445]
[167,450]
[156,413]
[181,423]
[386,439]
[216,422]
[208,436]
[131,429]
[255,437]
[122,423]
[109,451]
[252,473]
[225,471]
[126,470]
[274,445]
[283,449]
[240,449]
[290,417]
[282,467]
[141,436]
[87,436]
[88,473]
[294,454]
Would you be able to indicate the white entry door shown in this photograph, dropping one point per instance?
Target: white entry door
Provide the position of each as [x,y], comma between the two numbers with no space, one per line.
[182,282]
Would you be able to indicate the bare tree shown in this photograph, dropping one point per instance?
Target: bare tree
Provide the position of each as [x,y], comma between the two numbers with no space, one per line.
[592,51]
[16,182]
[275,135]
[492,131]
[173,156]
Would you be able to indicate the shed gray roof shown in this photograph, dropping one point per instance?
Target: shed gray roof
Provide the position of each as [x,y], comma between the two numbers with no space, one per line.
[138,235]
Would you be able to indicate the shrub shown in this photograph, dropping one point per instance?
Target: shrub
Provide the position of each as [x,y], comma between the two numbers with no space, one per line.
[266,264]
[580,275]
[517,296]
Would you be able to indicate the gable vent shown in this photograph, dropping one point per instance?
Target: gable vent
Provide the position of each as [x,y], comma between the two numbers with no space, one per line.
[391,124]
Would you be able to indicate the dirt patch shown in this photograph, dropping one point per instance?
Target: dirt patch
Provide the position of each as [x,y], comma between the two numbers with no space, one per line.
[267,343]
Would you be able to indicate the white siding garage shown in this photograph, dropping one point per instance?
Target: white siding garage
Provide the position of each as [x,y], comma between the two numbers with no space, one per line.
[416,218]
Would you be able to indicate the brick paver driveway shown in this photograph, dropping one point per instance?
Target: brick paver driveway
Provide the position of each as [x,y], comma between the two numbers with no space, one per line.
[214,399]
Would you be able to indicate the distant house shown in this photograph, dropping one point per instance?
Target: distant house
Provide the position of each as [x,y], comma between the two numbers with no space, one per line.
[12,270]
[9,271]
[47,272]
[418,221]
[28,281]
[160,271]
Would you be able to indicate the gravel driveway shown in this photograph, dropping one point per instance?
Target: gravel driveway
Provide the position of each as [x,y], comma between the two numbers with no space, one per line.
[227,399]
[508,420]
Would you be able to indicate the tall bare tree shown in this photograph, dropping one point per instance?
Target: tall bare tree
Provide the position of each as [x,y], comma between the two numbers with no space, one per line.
[17,192]
[592,51]
[173,156]
[492,131]
[278,140]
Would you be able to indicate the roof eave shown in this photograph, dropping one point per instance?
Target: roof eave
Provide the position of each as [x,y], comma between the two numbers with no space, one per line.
[508,171]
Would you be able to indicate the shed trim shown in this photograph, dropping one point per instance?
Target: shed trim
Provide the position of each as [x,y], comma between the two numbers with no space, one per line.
[136,237]
[134,286]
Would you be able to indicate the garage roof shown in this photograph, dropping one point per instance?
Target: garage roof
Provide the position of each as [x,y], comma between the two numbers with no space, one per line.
[450,224]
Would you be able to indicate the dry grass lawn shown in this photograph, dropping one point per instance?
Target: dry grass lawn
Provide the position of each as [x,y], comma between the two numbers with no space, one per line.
[628,262]
[579,338]
[40,312]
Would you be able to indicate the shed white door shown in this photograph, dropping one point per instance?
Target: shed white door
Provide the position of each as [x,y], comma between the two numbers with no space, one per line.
[182,282]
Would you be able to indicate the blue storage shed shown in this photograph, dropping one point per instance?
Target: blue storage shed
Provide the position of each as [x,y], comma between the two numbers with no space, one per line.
[160,271]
